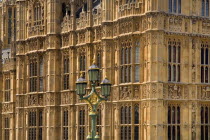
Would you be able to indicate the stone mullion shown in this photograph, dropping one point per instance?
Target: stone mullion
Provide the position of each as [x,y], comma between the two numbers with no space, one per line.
[89,13]
[73,15]
[72,125]
[106,123]
[117,63]
[107,10]
[198,62]
[116,122]
[27,74]
[161,55]
[190,56]
[185,120]
[77,122]
[54,12]
[198,121]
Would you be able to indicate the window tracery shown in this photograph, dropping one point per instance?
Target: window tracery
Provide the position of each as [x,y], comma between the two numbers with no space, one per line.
[129,126]
[37,11]
[98,122]
[205,62]
[7,128]
[205,8]
[174,60]
[127,51]
[35,125]
[174,6]
[174,122]
[82,60]
[36,73]
[7,89]
[65,124]
[205,122]
[65,72]
[82,124]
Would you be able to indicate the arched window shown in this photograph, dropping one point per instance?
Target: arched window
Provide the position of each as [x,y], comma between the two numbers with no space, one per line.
[37,13]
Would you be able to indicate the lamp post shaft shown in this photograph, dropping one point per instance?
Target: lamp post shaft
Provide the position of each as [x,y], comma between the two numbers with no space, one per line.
[93,125]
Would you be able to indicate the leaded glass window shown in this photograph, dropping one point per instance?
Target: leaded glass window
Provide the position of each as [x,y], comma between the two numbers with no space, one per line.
[65,124]
[82,124]
[174,122]
[127,52]
[10,22]
[205,62]
[35,125]
[37,13]
[129,126]
[66,72]
[205,122]
[205,8]
[6,128]
[7,89]
[174,6]
[36,74]
[174,60]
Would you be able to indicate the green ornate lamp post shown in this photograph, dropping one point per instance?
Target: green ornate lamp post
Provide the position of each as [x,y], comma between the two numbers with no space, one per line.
[93,99]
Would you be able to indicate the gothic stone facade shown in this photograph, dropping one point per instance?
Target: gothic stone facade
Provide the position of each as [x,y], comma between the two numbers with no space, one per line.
[155,53]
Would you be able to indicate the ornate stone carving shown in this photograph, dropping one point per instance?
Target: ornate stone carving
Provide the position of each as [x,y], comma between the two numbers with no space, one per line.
[125,92]
[205,93]
[174,91]
[32,100]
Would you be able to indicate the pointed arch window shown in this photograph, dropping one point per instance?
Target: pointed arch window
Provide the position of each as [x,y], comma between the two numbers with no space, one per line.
[127,52]
[205,62]
[174,60]
[174,122]
[37,11]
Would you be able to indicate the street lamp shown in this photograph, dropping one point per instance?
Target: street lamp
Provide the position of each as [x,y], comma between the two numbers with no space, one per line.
[93,99]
